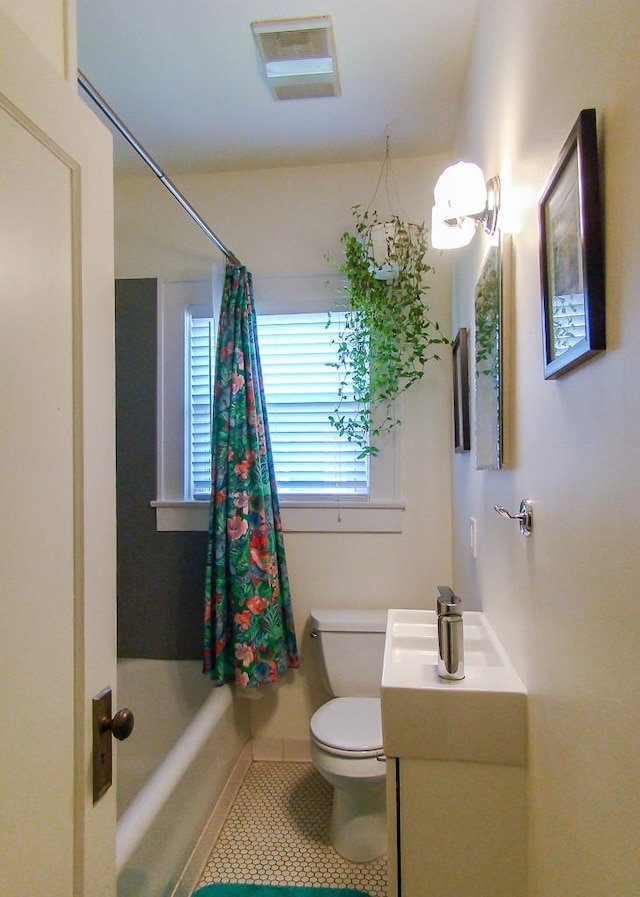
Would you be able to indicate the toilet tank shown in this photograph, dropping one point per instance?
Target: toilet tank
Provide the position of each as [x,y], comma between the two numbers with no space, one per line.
[350,649]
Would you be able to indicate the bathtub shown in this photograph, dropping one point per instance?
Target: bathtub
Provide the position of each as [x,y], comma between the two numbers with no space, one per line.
[188,738]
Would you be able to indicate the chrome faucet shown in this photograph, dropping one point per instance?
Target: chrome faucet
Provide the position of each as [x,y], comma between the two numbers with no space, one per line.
[450,639]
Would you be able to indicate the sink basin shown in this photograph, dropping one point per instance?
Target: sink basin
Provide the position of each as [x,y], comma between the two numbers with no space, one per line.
[414,640]
[481,718]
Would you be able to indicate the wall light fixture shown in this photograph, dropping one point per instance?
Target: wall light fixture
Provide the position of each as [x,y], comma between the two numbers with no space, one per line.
[463,200]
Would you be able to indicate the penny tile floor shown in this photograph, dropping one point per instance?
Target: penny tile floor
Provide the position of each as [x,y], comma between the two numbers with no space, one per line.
[277,833]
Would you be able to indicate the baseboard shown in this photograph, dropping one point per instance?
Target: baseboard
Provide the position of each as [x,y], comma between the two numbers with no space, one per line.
[287,750]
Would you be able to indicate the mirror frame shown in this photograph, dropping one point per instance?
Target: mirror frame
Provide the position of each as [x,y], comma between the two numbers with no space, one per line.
[570,224]
[488,346]
[461,430]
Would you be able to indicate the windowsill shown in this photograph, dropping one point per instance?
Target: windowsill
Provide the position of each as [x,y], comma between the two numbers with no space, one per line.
[297,517]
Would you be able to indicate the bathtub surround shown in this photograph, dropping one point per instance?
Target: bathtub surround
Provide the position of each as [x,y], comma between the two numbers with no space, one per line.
[249,635]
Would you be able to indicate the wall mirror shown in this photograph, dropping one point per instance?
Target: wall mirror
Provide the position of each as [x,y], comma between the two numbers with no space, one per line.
[461,434]
[488,363]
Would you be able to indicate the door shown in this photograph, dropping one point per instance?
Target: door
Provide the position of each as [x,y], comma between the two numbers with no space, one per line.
[57,477]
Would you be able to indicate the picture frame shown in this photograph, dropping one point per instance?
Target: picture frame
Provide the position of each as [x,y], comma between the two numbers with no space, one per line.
[572,253]
[461,426]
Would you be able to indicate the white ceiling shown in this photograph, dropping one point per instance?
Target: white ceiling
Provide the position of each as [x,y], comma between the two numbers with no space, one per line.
[185,77]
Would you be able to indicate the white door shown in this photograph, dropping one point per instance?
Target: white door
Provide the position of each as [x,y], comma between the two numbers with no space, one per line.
[57,478]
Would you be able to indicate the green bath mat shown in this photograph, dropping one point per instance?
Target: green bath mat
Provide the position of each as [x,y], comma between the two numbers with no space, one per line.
[235,890]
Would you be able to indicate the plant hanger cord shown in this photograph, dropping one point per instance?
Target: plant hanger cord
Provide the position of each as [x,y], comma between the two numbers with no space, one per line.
[387,172]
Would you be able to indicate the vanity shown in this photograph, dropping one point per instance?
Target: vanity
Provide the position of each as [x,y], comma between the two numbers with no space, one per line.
[457,763]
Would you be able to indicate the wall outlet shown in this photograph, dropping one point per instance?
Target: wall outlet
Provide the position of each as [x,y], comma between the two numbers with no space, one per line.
[472,536]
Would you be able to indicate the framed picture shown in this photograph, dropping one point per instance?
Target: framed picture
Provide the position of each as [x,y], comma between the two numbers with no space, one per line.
[461,430]
[571,253]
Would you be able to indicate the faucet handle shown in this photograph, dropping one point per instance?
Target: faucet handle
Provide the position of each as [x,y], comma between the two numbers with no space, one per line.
[448,602]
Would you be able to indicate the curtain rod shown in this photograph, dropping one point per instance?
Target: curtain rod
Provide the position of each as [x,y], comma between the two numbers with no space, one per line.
[102,104]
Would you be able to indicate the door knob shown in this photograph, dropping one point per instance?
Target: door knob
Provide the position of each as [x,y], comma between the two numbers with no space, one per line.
[120,725]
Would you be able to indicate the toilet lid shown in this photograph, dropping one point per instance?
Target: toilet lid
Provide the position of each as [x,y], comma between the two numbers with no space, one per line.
[349,724]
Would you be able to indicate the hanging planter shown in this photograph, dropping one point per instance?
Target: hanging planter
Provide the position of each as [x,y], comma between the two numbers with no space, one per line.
[388,335]
[390,247]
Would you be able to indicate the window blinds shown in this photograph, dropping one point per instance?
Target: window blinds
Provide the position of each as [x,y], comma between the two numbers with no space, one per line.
[301,388]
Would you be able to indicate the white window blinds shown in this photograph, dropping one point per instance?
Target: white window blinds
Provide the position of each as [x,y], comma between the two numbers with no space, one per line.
[200,360]
[301,388]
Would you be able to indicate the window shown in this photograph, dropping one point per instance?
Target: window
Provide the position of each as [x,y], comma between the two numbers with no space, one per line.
[321,483]
[301,388]
[199,358]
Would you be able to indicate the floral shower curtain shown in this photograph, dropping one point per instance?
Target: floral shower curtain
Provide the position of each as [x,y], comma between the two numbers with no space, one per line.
[248,625]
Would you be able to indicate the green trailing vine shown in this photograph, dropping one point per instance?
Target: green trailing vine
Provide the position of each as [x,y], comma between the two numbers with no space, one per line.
[388,335]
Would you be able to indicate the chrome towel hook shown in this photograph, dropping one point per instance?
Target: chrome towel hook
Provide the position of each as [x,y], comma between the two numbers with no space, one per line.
[525,517]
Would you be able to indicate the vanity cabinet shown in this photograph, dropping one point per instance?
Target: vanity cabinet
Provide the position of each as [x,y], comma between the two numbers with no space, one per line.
[456,764]
[456,828]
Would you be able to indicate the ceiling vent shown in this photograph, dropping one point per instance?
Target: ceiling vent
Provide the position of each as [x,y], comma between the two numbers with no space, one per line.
[299,57]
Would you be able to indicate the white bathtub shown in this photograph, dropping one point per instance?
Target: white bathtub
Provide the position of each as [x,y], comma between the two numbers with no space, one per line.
[187,738]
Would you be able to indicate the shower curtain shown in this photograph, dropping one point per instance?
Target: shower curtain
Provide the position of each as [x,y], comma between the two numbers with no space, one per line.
[249,635]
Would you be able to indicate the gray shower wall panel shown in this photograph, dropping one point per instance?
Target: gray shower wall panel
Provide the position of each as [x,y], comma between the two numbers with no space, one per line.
[160,575]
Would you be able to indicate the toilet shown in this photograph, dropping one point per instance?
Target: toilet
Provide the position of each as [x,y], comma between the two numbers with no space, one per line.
[346,732]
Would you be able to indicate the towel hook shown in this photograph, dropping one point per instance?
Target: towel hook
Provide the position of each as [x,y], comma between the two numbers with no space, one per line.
[525,517]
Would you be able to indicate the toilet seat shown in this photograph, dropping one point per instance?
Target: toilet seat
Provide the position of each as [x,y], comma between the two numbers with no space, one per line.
[349,727]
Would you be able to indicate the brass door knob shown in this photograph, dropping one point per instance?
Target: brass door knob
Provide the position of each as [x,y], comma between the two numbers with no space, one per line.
[120,725]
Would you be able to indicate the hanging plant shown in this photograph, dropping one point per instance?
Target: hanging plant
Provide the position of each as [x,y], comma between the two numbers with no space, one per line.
[388,335]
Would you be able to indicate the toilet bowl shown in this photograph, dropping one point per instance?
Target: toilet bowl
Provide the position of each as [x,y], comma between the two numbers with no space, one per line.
[346,748]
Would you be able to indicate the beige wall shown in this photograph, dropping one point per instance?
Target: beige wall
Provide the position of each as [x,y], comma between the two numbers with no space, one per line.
[565,602]
[51,26]
[283,222]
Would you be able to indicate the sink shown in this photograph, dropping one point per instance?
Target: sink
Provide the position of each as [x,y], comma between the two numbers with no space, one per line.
[414,641]
[481,718]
